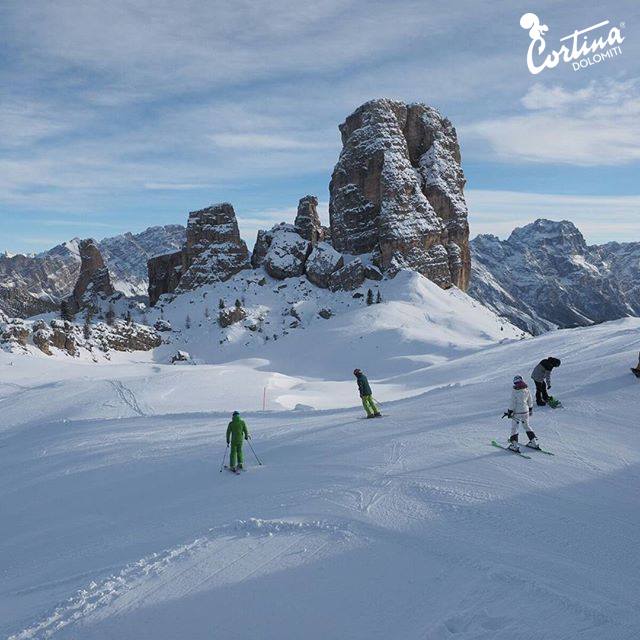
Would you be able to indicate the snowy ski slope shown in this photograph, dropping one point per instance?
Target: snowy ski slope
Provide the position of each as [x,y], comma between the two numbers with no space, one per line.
[116,523]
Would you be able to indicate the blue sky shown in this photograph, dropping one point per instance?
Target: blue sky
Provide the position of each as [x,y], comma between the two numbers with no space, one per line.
[117,116]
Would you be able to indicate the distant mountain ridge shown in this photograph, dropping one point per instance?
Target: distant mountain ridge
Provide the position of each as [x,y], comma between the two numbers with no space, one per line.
[35,284]
[545,276]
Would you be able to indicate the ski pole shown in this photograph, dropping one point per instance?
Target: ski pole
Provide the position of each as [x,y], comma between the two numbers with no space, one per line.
[254,453]
[224,457]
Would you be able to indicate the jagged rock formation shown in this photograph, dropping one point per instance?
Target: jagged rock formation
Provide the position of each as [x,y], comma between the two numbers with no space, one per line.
[545,276]
[322,262]
[213,252]
[307,222]
[35,284]
[93,280]
[397,192]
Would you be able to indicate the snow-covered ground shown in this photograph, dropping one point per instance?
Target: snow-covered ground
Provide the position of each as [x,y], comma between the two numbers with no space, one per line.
[116,522]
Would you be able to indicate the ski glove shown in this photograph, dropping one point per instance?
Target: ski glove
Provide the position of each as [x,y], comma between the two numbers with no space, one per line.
[510,413]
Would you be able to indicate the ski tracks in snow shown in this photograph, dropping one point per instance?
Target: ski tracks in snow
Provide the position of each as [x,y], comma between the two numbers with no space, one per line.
[225,555]
[127,397]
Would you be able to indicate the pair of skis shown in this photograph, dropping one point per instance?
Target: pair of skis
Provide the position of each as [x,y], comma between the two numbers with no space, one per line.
[519,453]
[236,470]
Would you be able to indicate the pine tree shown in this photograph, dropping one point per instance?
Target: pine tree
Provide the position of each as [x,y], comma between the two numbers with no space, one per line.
[378,298]
[221,304]
[128,317]
[238,304]
[369,297]
[111,315]
[207,313]
[187,322]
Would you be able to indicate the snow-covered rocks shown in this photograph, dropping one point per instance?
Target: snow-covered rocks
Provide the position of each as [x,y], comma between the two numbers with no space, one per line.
[396,191]
[287,254]
[69,338]
[162,325]
[545,276]
[180,356]
[231,315]
[322,262]
[13,331]
[349,277]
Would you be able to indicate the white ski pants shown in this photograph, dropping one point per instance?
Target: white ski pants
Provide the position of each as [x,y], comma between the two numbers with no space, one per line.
[519,419]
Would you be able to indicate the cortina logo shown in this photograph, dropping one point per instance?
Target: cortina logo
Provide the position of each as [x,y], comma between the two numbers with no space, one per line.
[581,51]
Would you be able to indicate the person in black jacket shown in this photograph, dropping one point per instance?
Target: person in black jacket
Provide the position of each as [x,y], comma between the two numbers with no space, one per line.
[542,377]
[366,395]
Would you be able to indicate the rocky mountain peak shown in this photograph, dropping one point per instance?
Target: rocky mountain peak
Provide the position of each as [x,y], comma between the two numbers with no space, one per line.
[561,235]
[545,276]
[397,192]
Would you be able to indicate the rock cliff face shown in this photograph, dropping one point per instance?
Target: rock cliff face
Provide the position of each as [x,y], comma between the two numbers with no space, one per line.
[164,274]
[307,222]
[546,276]
[35,284]
[213,252]
[397,192]
[93,280]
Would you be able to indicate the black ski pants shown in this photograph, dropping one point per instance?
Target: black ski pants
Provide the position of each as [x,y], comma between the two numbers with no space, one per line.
[542,397]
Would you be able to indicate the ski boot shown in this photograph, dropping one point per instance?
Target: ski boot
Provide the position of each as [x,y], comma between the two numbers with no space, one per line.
[533,443]
[377,414]
[370,415]
[240,467]
[513,444]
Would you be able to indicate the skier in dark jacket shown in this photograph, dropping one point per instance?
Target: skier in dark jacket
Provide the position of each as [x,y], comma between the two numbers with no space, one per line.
[366,395]
[236,431]
[542,377]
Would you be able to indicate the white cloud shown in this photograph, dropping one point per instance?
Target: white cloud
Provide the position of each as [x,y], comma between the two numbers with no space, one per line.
[596,125]
[600,218]
[253,141]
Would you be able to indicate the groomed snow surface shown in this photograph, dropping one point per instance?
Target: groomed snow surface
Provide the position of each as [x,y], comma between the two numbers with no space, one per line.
[116,522]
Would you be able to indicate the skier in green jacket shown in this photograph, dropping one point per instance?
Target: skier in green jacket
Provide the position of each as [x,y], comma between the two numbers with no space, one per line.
[366,395]
[236,431]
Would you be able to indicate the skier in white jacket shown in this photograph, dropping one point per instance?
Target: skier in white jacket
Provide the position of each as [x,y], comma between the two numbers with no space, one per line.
[519,412]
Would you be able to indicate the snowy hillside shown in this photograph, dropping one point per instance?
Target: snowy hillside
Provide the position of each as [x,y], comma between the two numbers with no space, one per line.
[118,524]
[416,322]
